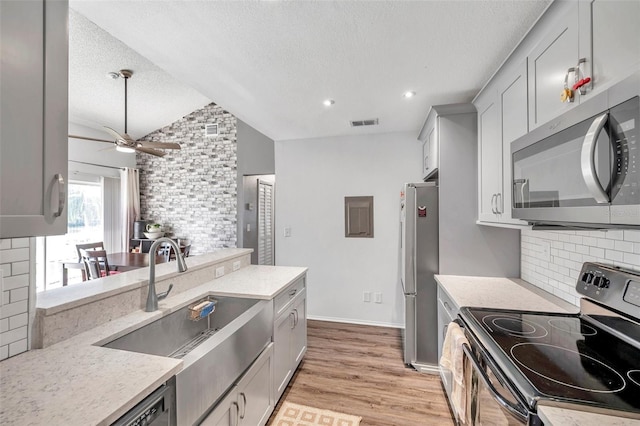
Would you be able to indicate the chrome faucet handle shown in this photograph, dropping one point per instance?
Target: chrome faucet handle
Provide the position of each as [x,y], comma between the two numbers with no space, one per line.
[166,293]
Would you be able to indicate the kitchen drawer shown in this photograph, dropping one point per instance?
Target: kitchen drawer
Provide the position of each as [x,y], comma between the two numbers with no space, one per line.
[283,300]
[447,304]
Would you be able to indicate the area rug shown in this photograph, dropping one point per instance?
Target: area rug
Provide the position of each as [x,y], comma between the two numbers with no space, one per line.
[301,415]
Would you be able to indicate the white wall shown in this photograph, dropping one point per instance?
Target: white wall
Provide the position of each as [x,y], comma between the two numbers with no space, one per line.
[552,260]
[313,177]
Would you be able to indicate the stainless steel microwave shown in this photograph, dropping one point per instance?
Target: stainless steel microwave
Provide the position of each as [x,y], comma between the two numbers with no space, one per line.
[582,169]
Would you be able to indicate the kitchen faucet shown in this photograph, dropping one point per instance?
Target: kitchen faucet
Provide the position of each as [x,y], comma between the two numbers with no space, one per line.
[152,297]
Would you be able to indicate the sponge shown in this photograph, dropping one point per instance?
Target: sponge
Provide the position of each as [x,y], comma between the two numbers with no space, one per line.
[202,309]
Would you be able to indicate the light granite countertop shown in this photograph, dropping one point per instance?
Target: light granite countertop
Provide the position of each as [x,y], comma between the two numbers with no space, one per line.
[501,293]
[514,293]
[78,382]
[555,416]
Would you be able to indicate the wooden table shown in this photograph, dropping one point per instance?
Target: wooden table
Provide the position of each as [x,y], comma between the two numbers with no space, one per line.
[123,261]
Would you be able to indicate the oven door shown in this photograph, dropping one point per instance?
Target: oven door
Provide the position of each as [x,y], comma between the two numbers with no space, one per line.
[493,402]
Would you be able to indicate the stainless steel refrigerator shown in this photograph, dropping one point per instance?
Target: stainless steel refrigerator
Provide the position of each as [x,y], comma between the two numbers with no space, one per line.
[419,263]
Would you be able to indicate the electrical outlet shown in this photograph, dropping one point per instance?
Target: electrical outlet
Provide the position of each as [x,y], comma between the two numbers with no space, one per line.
[219,272]
[236,265]
[545,251]
[366,296]
[377,297]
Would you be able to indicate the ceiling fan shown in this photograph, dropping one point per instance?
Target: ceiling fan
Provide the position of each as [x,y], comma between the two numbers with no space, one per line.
[124,142]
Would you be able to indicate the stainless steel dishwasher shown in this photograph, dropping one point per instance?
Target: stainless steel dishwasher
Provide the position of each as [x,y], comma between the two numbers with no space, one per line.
[158,409]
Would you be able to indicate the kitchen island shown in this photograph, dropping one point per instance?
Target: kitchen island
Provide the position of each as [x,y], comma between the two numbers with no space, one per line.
[75,381]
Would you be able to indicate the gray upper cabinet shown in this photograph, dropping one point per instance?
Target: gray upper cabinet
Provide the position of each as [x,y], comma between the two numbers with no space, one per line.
[33,128]
[489,157]
[512,95]
[549,63]
[615,40]
[430,155]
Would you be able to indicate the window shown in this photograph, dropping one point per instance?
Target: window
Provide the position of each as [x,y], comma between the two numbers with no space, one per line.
[93,206]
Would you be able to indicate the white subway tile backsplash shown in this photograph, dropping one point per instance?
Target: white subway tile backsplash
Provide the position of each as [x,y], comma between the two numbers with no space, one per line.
[14,255]
[569,250]
[614,234]
[18,321]
[633,259]
[632,235]
[604,243]
[19,242]
[19,294]
[18,268]
[624,246]
[614,255]
[13,335]
[18,347]
[14,314]
[595,251]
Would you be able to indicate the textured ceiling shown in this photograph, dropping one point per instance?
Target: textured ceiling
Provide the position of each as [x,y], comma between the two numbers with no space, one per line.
[272,63]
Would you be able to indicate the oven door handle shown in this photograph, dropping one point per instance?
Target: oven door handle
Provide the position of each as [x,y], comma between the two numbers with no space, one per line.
[523,417]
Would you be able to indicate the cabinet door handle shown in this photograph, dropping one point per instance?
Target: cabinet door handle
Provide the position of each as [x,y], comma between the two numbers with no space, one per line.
[295,324]
[62,198]
[244,405]
[292,315]
[498,202]
[235,423]
[493,203]
[446,305]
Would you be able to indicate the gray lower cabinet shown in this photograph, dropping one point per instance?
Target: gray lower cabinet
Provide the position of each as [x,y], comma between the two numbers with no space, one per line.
[34,121]
[251,401]
[289,337]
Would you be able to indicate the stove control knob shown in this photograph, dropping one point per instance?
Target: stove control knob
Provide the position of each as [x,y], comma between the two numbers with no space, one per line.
[597,281]
[587,277]
[604,283]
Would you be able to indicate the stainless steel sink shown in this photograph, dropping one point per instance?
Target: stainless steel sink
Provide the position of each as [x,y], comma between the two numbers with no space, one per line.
[215,350]
[175,335]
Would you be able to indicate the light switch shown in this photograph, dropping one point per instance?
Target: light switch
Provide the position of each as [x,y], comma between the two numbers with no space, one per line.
[287,231]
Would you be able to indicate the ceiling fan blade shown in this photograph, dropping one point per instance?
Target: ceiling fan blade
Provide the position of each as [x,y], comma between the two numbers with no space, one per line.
[161,145]
[150,151]
[113,133]
[88,139]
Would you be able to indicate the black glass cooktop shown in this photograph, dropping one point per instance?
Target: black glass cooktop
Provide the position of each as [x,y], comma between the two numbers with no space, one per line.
[564,358]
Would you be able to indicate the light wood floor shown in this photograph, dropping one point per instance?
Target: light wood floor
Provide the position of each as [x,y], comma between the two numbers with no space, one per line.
[359,370]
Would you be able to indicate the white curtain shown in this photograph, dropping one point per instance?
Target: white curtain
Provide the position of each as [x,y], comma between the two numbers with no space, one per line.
[130,193]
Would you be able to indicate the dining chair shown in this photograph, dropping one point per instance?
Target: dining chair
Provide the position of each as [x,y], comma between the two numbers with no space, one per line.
[96,264]
[90,247]
[169,253]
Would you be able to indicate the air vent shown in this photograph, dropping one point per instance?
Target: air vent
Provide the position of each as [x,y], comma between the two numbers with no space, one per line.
[210,130]
[359,123]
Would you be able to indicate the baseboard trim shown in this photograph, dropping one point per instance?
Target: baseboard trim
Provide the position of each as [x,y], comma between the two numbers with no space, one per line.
[356,322]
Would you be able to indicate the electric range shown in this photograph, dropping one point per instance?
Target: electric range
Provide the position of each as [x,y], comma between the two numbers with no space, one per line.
[590,359]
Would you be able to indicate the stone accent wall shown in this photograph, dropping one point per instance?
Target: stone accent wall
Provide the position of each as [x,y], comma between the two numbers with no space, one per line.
[192,191]
[552,260]
[14,290]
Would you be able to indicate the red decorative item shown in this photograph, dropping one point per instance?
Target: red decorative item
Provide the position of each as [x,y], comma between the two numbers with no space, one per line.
[581,83]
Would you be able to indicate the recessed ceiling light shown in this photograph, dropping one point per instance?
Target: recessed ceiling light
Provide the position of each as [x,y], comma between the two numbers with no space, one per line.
[409,94]
[329,102]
